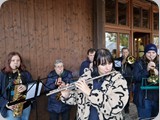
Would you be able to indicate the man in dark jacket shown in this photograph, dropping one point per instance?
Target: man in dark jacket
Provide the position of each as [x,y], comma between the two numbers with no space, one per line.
[88,62]
[55,78]
[126,70]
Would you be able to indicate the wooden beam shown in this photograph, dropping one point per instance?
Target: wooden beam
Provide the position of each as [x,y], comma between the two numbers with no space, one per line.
[98,23]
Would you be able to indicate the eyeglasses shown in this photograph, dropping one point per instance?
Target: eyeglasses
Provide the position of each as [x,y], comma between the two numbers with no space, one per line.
[60,66]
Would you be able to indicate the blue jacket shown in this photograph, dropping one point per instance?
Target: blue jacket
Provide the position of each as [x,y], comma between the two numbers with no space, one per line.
[140,72]
[4,82]
[55,105]
[85,64]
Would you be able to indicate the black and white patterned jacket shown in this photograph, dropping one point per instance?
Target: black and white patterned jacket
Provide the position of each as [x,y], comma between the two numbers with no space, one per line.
[109,100]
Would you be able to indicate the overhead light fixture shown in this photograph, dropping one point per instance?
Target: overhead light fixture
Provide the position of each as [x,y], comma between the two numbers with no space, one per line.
[139,39]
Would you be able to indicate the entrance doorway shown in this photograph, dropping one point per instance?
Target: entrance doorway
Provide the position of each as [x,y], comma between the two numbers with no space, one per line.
[140,40]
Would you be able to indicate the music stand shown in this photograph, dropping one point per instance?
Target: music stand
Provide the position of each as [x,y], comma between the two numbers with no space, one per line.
[33,91]
[117,63]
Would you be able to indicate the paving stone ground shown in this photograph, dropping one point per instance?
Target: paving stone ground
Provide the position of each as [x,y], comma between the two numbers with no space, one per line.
[132,113]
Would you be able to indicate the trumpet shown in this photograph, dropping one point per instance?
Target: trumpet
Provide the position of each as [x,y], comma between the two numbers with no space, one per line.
[130,59]
[72,86]
[154,79]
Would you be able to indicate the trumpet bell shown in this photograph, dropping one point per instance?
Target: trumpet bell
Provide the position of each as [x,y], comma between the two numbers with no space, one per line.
[131,59]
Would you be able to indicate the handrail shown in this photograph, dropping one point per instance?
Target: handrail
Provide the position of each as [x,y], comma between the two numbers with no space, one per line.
[151,86]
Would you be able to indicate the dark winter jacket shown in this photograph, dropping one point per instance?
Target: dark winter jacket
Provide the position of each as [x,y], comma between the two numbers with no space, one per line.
[140,73]
[55,105]
[85,64]
[126,70]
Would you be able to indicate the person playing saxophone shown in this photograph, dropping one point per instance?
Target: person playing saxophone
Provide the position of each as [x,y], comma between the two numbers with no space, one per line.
[14,70]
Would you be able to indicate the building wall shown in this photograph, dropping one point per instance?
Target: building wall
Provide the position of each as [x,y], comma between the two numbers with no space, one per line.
[43,31]
[137,26]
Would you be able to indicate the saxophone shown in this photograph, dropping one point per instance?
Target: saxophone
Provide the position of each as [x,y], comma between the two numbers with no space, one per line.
[17,111]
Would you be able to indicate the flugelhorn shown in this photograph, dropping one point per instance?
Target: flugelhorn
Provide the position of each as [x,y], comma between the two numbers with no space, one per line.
[72,86]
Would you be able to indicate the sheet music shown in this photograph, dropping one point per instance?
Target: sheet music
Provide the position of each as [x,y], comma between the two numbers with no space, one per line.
[117,63]
[32,89]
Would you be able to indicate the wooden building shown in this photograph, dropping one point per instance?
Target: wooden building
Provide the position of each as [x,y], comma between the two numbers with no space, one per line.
[131,23]
[45,30]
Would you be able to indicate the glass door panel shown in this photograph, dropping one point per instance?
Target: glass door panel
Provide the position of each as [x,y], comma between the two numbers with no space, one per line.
[111,41]
[124,41]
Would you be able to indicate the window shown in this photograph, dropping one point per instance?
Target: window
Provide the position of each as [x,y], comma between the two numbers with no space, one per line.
[141,17]
[121,16]
[110,11]
[111,41]
[156,40]
[122,13]
[156,21]
[124,40]
[136,16]
[145,18]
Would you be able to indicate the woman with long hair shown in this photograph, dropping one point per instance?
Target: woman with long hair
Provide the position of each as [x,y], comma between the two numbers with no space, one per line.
[147,100]
[14,70]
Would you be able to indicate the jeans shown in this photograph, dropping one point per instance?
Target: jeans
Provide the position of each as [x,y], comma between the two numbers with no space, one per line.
[150,110]
[56,116]
[24,116]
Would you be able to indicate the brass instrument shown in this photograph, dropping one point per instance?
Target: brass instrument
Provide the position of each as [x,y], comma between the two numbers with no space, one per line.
[59,93]
[17,111]
[153,79]
[72,85]
[130,59]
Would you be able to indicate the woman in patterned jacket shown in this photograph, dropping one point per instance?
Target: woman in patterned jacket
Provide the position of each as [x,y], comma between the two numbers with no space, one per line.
[100,99]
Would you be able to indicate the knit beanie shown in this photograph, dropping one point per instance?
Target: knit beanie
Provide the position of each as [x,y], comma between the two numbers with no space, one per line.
[150,47]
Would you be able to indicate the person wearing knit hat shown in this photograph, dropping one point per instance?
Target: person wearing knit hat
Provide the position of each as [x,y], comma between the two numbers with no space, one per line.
[146,100]
[150,52]
[150,47]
